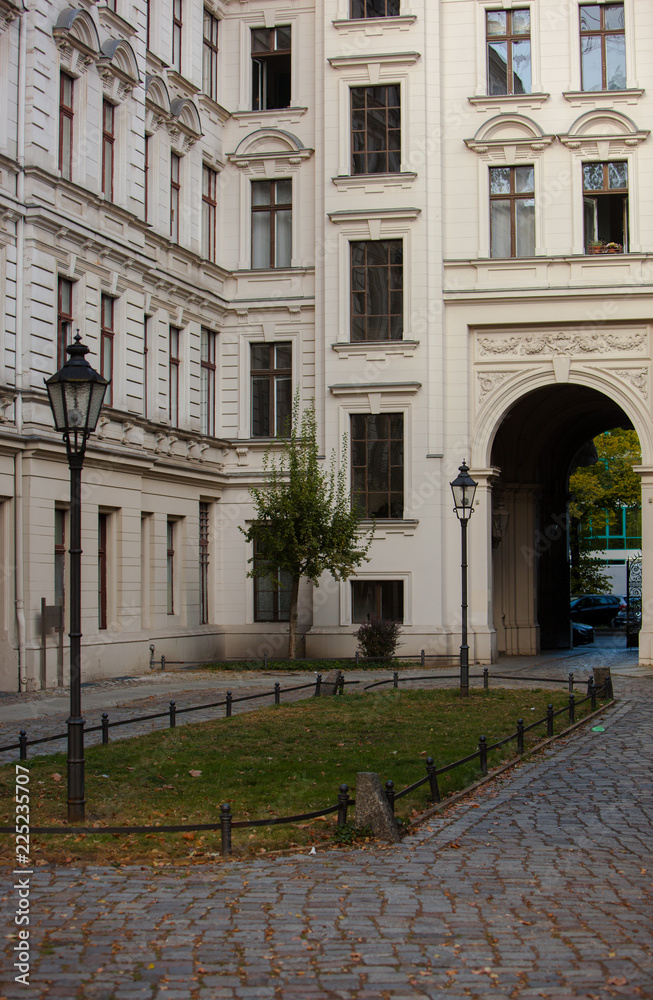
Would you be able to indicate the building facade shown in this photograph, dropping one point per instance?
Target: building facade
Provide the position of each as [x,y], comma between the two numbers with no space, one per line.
[432,218]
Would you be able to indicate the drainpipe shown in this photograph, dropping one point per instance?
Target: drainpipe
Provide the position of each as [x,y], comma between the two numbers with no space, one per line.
[18,406]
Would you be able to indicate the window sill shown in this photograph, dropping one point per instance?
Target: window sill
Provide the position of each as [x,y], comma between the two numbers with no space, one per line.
[391,526]
[373,350]
[577,98]
[211,105]
[245,118]
[374,183]
[374,25]
[498,101]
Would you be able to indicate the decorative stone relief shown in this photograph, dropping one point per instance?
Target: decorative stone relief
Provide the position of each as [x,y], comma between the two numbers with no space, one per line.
[486,383]
[563,343]
[637,377]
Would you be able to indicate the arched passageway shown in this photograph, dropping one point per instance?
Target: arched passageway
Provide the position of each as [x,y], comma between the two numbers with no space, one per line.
[539,442]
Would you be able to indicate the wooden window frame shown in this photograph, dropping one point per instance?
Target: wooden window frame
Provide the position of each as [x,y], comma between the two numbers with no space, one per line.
[208,350]
[262,59]
[108,142]
[146,372]
[107,333]
[278,614]
[170,566]
[271,209]
[512,197]
[359,9]
[603,33]
[66,114]
[174,364]
[605,192]
[210,55]
[203,563]
[356,293]
[60,556]
[209,212]
[378,599]
[146,180]
[361,158]
[175,195]
[177,35]
[274,376]
[362,496]
[510,38]
[64,321]
[103,519]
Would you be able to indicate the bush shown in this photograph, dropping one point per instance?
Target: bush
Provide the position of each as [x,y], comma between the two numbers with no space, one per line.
[378,637]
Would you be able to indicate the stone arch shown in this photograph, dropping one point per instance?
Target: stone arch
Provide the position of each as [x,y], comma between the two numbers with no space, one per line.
[269,140]
[119,56]
[187,116]
[602,123]
[77,27]
[509,127]
[157,95]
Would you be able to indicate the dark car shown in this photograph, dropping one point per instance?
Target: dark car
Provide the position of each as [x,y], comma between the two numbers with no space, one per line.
[596,609]
[583,634]
[621,620]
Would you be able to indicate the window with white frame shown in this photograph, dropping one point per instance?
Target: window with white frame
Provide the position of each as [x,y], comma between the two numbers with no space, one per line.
[602,46]
[271,389]
[271,68]
[271,223]
[605,207]
[381,599]
[512,211]
[508,51]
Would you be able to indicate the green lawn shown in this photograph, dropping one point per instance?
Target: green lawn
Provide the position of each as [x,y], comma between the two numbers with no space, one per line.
[278,760]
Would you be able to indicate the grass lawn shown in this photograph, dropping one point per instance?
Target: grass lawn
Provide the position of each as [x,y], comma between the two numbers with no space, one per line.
[279,760]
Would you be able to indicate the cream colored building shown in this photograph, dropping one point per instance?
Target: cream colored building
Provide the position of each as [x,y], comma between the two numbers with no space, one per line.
[387,207]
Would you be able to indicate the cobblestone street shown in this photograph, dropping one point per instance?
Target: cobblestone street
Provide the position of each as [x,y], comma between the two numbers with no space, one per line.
[541,885]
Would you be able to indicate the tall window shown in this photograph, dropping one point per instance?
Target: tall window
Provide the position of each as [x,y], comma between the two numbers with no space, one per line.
[209,211]
[66,114]
[271,223]
[175,192]
[377,298]
[270,68]
[377,463]
[146,179]
[605,205]
[272,595]
[176,34]
[204,563]
[271,375]
[106,345]
[173,374]
[59,556]
[602,46]
[148,23]
[208,341]
[102,570]
[377,599]
[375,130]
[508,51]
[108,139]
[210,56]
[512,212]
[64,319]
[147,336]
[374,8]
[170,567]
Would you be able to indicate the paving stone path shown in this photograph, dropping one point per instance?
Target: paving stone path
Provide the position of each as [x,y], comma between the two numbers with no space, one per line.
[541,886]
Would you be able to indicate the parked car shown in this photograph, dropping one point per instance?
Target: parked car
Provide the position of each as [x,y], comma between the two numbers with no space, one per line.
[621,620]
[596,609]
[583,634]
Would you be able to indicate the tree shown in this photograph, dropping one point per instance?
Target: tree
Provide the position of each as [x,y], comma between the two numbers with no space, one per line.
[305,523]
[601,491]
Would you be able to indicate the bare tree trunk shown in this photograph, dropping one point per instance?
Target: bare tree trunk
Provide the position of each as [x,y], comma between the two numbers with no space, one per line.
[292,624]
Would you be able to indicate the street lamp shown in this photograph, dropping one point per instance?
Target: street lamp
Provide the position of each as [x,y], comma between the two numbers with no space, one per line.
[464,489]
[76,394]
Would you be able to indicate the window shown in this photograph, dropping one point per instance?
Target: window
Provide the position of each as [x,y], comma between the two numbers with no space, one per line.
[146,180]
[508,51]
[147,334]
[377,463]
[377,298]
[272,595]
[374,8]
[108,139]
[209,211]
[270,68]
[271,375]
[271,223]
[375,130]
[102,571]
[66,126]
[176,35]
[208,341]
[602,47]
[605,204]
[512,212]
[204,563]
[64,319]
[148,23]
[175,189]
[210,56]
[106,345]
[377,599]
[59,556]
[173,375]
[170,567]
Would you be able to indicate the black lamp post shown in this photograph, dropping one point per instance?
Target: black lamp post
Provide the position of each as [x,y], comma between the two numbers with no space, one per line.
[76,394]
[464,489]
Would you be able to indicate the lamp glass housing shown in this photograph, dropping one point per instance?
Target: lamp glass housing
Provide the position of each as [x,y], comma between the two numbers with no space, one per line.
[464,490]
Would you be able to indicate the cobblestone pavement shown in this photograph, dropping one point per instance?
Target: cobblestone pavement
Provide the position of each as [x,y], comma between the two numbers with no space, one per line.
[539,886]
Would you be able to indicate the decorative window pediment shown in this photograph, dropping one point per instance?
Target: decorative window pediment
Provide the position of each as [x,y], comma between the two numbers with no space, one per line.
[507,137]
[266,145]
[604,134]
[118,68]
[77,39]
[157,103]
[184,124]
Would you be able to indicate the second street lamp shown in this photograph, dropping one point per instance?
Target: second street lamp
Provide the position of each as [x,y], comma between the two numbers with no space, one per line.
[76,394]
[464,489]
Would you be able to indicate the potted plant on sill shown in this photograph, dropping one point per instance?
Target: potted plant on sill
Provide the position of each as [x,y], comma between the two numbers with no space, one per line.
[613,248]
[596,246]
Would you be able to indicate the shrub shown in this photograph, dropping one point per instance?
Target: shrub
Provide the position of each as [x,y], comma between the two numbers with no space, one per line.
[378,637]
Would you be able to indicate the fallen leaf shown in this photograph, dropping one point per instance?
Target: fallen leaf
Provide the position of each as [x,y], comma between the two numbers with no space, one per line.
[617,981]
[56,777]
[194,774]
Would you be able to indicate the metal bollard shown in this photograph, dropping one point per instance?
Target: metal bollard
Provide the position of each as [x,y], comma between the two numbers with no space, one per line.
[572,709]
[592,692]
[265,661]
[549,720]
[486,679]
[173,715]
[395,678]
[225,829]
[22,743]
[520,735]
[343,802]
[227,707]
[422,656]
[341,685]
[482,754]
[163,662]
[277,693]
[318,685]
[390,794]
[356,658]
[152,656]
[433,779]
[105,728]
